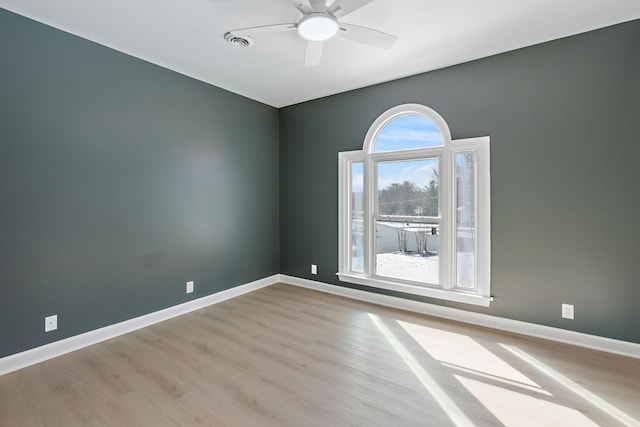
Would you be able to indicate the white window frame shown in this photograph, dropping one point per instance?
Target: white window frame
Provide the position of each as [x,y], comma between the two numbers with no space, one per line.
[446,289]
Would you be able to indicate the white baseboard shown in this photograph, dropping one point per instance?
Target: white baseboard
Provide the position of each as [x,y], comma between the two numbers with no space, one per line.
[609,345]
[48,351]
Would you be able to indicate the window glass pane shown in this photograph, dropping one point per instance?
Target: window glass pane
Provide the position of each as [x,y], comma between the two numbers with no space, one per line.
[408,251]
[408,188]
[466,220]
[357,215]
[408,132]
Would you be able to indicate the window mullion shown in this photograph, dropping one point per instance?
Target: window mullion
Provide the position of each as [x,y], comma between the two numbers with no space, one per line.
[371,184]
[344,181]
[349,204]
[447,240]
[483,212]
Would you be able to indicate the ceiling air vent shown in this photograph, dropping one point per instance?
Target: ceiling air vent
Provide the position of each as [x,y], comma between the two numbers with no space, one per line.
[238,41]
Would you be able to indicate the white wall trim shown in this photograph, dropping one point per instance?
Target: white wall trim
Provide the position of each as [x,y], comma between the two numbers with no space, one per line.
[58,348]
[624,348]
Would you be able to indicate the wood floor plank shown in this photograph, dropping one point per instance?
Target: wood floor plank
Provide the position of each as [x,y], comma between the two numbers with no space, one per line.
[286,356]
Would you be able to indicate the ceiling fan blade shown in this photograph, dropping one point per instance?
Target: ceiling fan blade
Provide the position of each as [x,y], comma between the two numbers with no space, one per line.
[303,6]
[313,54]
[366,35]
[343,7]
[277,28]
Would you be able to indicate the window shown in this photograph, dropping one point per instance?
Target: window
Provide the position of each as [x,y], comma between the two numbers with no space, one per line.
[414,209]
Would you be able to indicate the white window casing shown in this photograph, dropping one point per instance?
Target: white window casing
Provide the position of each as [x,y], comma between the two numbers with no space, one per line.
[446,288]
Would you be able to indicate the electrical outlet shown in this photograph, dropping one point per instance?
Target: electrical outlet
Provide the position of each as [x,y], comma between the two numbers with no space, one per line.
[190,287]
[567,311]
[314,269]
[51,323]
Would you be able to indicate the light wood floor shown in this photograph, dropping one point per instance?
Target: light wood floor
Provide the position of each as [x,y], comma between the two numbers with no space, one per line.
[286,356]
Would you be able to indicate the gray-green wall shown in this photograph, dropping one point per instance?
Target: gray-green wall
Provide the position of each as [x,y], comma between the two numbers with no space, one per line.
[564,122]
[119,182]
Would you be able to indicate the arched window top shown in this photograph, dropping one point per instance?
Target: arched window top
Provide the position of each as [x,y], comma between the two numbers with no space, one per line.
[407,127]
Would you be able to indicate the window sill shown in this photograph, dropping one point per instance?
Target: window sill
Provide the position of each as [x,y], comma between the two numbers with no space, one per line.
[455,296]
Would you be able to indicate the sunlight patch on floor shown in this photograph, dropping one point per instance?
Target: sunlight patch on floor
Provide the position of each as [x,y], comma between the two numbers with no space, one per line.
[493,378]
[508,394]
[512,408]
[446,403]
[574,387]
[462,352]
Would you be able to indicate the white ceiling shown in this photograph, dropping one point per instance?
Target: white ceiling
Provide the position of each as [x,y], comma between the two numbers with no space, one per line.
[187,36]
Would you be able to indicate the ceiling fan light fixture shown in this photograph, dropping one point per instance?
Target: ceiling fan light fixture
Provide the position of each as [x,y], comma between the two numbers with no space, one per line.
[318,27]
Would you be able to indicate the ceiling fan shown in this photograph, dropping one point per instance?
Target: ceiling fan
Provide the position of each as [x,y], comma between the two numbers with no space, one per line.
[319,23]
